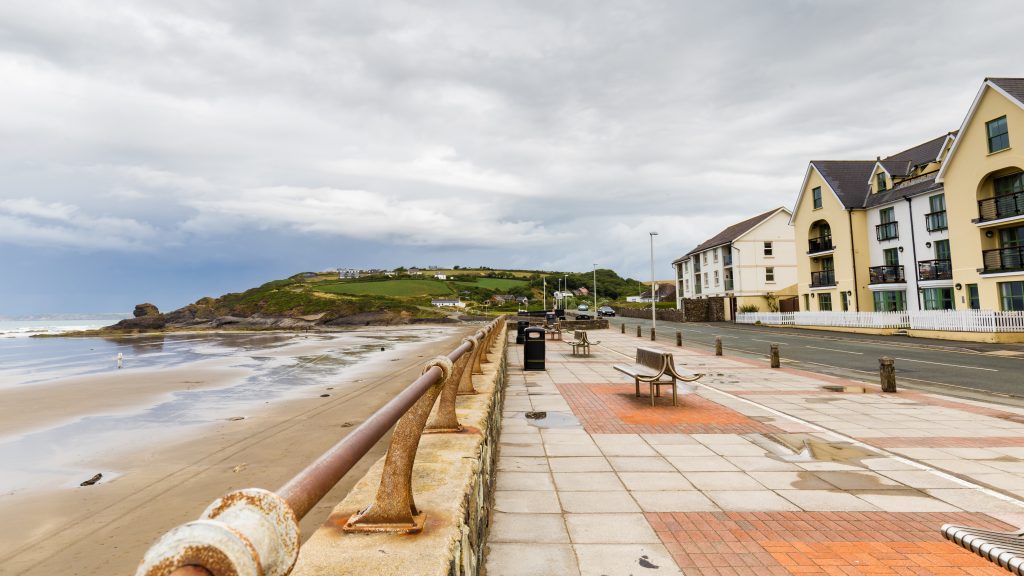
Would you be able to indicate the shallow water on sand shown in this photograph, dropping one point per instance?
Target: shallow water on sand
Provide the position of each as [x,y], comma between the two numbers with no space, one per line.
[269,367]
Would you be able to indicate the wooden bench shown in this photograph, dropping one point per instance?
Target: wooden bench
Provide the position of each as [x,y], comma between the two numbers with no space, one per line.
[652,366]
[580,343]
[1003,548]
[554,331]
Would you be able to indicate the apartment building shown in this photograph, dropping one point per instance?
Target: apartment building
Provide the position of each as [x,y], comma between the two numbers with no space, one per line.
[751,263]
[939,226]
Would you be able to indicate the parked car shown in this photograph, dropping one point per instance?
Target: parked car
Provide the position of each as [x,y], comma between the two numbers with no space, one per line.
[583,307]
[584,315]
[606,311]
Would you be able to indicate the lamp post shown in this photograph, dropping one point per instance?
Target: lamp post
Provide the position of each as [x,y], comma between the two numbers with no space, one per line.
[544,293]
[654,319]
[595,288]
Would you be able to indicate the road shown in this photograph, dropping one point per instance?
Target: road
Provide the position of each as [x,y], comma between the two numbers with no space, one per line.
[969,369]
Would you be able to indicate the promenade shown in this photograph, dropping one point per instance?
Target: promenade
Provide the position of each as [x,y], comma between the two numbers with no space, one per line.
[758,470]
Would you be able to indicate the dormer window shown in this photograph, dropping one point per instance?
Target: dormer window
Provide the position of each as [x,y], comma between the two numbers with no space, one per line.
[998,135]
[880,177]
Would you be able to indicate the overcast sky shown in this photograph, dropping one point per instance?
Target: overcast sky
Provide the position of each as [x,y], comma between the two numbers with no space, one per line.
[163,151]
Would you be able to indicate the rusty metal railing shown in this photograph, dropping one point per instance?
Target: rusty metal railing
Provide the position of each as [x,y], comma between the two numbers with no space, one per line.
[255,532]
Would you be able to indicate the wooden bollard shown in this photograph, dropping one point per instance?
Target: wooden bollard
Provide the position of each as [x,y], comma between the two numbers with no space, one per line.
[718,345]
[638,332]
[623,326]
[679,338]
[775,355]
[652,334]
[887,373]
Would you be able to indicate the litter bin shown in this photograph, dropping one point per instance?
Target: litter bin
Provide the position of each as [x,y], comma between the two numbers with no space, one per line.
[533,349]
[550,318]
[521,325]
[560,312]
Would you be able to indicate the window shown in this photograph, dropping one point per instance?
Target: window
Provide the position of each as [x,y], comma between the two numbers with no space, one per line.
[825,302]
[1009,184]
[769,274]
[936,219]
[890,301]
[941,249]
[844,299]
[892,256]
[807,302]
[1011,237]
[998,135]
[704,257]
[1012,295]
[880,179]
[937,202]
[716,277]
[887,230]
[972,295]
[816,194]
[888,215]
[686,285]
[686,265]
[715,254]
[768,249]
[938,298]
[705,280]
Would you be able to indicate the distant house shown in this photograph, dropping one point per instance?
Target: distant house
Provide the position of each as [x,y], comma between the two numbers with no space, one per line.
[522,299]
[583,291]
[414,272]
[502,298]
[447,303]
[440,276]
[344,273]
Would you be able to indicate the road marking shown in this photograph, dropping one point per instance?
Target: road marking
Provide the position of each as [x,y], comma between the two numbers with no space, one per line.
[834,350]
[831,366]
[944,364]
[768,341]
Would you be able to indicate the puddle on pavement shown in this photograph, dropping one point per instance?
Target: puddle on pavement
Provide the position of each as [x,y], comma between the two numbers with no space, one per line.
[807,448]
[845,389]
[551,420]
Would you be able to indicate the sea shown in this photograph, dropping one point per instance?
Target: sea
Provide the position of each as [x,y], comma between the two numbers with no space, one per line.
[23,328]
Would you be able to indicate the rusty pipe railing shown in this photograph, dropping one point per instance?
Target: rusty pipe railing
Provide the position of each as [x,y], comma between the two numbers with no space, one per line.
[256,532]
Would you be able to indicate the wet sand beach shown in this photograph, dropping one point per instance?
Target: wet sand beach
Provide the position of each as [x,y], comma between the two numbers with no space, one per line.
[167,438]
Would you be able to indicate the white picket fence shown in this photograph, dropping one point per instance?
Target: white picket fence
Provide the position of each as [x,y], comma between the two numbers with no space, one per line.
[946,320]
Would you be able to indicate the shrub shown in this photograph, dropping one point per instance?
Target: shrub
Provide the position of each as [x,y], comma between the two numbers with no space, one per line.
[749,308]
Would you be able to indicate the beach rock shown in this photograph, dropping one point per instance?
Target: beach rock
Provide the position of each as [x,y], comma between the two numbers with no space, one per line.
[145,309]
[92,480]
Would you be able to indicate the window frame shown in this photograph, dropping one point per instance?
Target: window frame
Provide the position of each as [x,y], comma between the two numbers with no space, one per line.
[880,183]
[1004,136]
[769,274]
[825,299]
[769,248]
[816,197]
[1013,301]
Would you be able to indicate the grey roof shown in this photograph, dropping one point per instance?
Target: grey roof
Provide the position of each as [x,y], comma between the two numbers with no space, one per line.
[731,233]
[916,156]
[849,179]
[896,167]
[1013,86]
[924,186]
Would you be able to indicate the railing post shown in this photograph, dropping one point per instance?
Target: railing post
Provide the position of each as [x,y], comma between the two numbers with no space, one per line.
[445,419]
[464,383]
[679,338]
[718,345]
[887,373]
[482,343]
[774,353]
[638,333]
[652,333]
[394,509]
[622,327]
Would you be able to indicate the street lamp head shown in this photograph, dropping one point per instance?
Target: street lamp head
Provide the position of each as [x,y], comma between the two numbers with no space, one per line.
[653,233]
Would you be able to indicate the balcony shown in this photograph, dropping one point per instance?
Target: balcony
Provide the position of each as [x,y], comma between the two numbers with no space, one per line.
[819,244]
[727,259]
[728,284]
[935,221]
[999,207]
[887,231]
[823,278]
[886,275]
[1003,260]
[935,270]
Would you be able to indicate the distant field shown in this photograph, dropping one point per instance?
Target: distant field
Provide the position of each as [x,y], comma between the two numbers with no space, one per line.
[493,283]
[397,288]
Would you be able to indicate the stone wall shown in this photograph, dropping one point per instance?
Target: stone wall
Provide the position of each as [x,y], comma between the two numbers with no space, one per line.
[453,481]
[667,314]
[694,310]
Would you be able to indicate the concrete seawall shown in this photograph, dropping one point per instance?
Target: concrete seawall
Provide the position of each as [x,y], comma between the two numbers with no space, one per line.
[453,479]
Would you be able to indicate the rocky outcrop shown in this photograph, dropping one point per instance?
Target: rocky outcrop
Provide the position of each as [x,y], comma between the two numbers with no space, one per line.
[145,310]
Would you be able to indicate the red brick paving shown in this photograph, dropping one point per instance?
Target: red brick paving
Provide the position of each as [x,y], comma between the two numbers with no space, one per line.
[615,409]
[833,543]
[944,442]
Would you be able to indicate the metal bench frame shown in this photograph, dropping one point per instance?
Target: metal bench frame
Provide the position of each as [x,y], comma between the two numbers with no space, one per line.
[580,342]
[1003,548]
[651,365]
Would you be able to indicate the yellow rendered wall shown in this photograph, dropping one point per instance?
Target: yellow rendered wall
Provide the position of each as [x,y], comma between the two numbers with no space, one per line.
[966,171]
[832,211]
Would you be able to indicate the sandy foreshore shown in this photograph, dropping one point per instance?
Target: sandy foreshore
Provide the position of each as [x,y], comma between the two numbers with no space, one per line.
[105,529]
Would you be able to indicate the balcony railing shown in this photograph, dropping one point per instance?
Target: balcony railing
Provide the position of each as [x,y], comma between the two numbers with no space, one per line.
[728,284]
[1003,259]
[819,244]
[1001,206]
[887,231]
[823,278]
[935,270]
[935,221]
[886,274]
[727,259]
